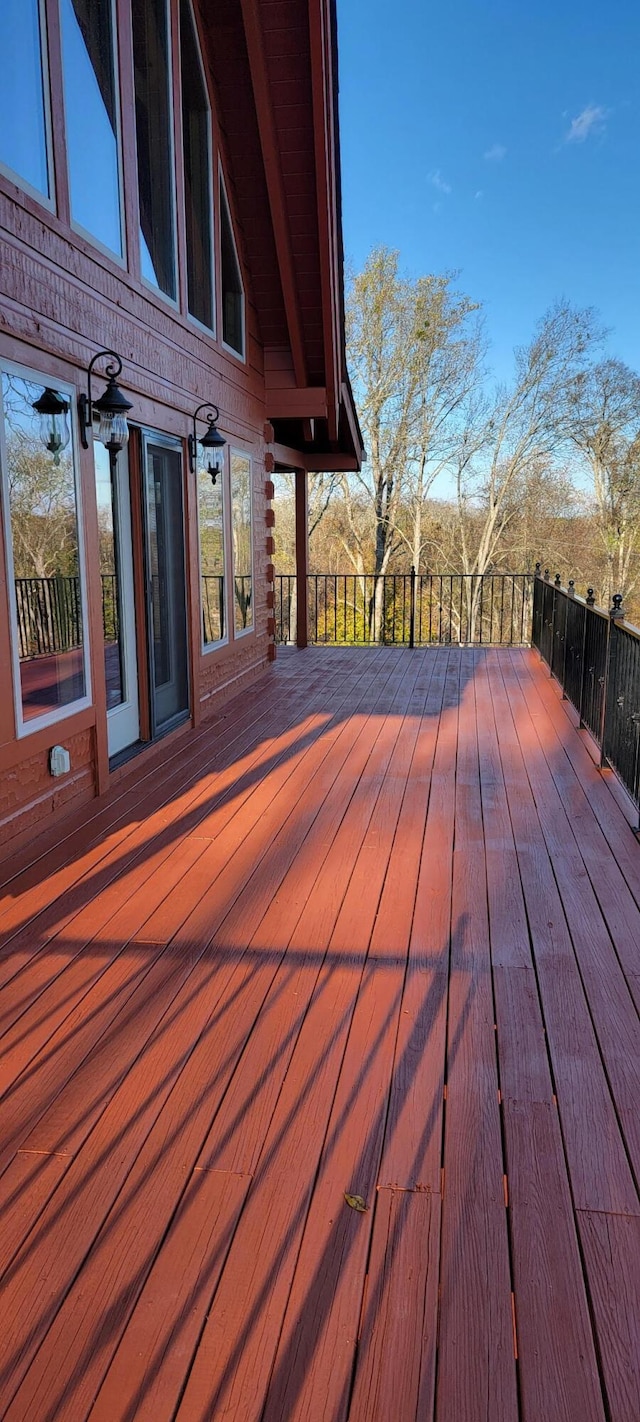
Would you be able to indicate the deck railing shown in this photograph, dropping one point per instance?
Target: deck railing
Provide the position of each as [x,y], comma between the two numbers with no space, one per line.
[595,655]
[410,609]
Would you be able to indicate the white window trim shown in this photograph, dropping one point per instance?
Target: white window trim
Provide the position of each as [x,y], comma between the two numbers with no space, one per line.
[225,475]
[120,258]
[210,330]
[238,634]
[239,355]
[47,201]
[51,718]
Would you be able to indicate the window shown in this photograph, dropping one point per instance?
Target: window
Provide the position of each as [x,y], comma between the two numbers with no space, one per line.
[151,52]
[232,288]
[91,113]
[23,126]
[212,556]
[242,541]
[196,138]
[44,563]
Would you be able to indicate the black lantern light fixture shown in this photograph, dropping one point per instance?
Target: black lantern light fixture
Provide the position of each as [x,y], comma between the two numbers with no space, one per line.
[212,442]
[54,422]
[111,408]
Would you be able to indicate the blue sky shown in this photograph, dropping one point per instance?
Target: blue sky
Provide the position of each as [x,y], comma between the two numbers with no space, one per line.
[502,140]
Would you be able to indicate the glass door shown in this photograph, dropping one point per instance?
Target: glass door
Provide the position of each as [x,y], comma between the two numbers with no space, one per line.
[118,605]
[166,583]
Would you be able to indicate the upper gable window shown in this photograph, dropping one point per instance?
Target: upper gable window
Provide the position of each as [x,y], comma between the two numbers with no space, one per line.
[91,113]
[232,288]
[23,113]
[196,139]
[151,55]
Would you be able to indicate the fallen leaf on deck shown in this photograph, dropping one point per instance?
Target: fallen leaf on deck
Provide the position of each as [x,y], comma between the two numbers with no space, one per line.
[356,1202]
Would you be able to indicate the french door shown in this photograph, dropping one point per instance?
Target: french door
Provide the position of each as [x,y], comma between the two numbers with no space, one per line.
[166,582]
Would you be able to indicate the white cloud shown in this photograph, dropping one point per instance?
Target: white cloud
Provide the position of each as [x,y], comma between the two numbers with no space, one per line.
[437,181]
[496,153]
[592,120]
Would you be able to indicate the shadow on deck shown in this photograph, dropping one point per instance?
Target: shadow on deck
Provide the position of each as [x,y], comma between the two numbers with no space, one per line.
[375,932]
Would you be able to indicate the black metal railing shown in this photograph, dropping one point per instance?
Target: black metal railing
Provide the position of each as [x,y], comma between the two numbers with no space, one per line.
[410,609]
[49,615]
[595,656]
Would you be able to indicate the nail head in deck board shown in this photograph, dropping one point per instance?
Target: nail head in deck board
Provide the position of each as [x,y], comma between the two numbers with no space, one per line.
[557,1358]
[611,1249]
[395,1362]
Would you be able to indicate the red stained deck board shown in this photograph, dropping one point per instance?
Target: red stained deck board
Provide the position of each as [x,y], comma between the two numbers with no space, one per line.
[128,819]
[611,1250]
[413,1138]
[318,878]
[39,1000]
[122,1148]
[617,904]
[305,1023]
[396,1357]
[544,691]
[316,1349]
[556,1352]
[25,1189]
[148,1368]
[614,1015]
[257,1280]
[476,1375]
[598,1164]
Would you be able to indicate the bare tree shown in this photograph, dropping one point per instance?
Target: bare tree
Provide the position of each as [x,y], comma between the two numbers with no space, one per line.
[605,428]
[510,440]
[414,353]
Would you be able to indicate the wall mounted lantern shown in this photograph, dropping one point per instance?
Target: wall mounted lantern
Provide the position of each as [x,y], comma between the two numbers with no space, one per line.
[111,408]
[54,423]
[212,442]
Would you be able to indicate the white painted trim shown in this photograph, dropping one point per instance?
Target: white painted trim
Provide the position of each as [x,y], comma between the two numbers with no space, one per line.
[243,631]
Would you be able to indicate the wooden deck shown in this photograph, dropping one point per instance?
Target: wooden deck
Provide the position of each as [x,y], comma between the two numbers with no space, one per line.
[375,932]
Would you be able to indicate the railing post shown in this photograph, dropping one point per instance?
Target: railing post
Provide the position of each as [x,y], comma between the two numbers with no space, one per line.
[571,592]
[302,558]
[615,613]
[556,583]
[590,601]
[412,609]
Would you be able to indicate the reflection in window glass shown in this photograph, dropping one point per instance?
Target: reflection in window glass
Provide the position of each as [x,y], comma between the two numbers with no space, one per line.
[242,541]
[211,531]
[196,137]
[106,494]
[91,118]
[232,289]
[153,138]
[40,488]
[23,145]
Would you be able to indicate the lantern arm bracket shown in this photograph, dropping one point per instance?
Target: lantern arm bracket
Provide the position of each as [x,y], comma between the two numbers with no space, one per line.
[85,402]
[212,415]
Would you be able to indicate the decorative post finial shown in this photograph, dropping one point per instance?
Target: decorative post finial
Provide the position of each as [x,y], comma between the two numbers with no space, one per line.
[591,598]
[616,609]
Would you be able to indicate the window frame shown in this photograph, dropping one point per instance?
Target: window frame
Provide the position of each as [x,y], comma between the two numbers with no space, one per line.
[225,474]
[213,328]
[123,259]
[50,718]
[48,201]
[173,301]
[222,187]
[239,633]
